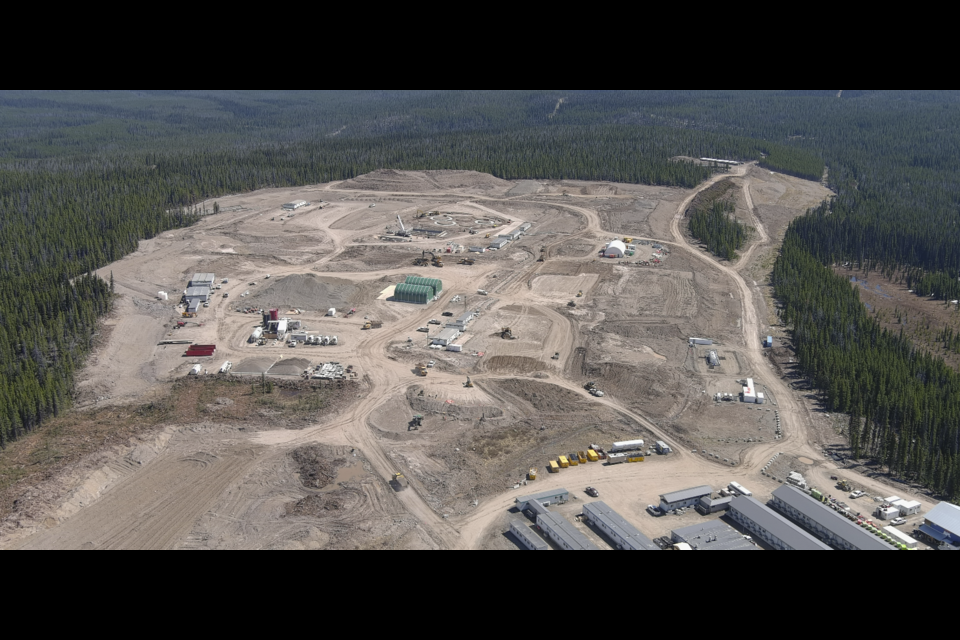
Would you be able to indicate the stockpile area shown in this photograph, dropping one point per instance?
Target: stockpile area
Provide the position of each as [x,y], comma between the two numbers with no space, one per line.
[304,291]
[455,461]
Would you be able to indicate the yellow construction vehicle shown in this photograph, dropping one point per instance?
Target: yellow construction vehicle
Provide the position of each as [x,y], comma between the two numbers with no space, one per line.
[553,467]
[580,294]
[532,475]
[487,236]
[468,261]
[468,384]
[421,213]
[422,370]
[398,482]
[373,324]
[187,314]
[628,241]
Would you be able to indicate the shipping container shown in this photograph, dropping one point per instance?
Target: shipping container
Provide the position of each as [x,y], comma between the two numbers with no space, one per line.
[592,456]
[616,458]
[564,463]
[455,347]
[574,461]
[553,467]
[582,457]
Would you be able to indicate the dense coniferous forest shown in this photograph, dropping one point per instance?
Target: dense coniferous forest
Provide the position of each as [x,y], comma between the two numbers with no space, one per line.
[85,175]
[715,227]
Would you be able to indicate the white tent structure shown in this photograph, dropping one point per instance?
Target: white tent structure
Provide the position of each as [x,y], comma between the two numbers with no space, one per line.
[615,249]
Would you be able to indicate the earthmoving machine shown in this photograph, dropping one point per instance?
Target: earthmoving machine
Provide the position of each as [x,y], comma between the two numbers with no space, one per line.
[187,314]
[421,214]
[467,261]
[422,370]
[555,356]
[845,486]
[181,324]
[416,423]
[543,255]
[507,333]
[373,324]
[398,482]
[487,236]
[580,293]
[572,304]
[468,384]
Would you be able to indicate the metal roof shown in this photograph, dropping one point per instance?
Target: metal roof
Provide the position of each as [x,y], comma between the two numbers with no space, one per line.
[561,527]
[686,494]
[202,277]
[713,536]
[946,516]
[433,283]
[544,496]
[197,292]
[629,536]
[522,529]
[448,334]
[830,520]
[776,525]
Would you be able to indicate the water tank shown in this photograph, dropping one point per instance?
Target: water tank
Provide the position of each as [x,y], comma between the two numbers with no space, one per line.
[256,334]
[274,315]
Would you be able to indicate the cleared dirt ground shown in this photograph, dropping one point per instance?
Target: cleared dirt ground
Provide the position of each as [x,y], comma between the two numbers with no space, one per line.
[317,475]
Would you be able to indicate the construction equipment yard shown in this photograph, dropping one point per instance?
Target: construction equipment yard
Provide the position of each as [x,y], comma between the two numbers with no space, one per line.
[464,431]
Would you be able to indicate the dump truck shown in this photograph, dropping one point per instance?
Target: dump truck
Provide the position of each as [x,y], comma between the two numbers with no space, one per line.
[422,370]
[467,261]
[399,483]
[373,324]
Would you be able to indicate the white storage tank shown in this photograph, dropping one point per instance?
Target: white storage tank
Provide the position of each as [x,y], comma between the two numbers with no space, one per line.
[256,334]
[629,445]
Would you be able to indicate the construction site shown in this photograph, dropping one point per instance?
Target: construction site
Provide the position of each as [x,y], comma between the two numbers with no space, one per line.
[475,340]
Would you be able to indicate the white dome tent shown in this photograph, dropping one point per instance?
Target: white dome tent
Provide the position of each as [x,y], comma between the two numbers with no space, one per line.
[615,249]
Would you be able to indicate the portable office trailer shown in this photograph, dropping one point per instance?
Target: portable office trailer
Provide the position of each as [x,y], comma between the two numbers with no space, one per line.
[701,341]
[564,534]
[907,508]
[901,538]
[456,348]
[681,499]
[623,534]
[662,448]
[526,536]
[544,498]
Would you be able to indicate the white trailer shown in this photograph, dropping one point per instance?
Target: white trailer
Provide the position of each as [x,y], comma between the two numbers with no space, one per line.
[457,348]
[900,537]
[196,370]
[738,488]
[628,445]
[701,341]
[616,458]
[256,334]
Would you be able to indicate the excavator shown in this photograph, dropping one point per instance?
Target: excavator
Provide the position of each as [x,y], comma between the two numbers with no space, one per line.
[507,333]
[543,255]
[468,384]
[467,261]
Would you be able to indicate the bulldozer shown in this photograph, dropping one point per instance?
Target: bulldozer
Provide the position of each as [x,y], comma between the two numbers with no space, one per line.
[468,384]
[416,423]
[422,370]
[507,333]
[580,293]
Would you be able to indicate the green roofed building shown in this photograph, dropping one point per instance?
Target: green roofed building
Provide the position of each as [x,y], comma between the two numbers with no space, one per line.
[417,294]
[435,285]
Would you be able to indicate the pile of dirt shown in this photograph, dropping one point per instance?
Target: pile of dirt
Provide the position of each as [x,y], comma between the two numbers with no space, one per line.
[422,404]
[305,291]
[289,367]
[318,464]
[514,364]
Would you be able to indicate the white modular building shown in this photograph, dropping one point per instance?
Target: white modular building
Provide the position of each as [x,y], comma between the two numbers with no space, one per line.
[293,206]
[446,336]
[623,534]
[527,537]
[900,537]
[907,508]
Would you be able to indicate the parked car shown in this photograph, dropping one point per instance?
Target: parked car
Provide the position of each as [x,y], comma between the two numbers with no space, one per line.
[447,314]
[654,511]
[593,493]
[898,521]
[431,364]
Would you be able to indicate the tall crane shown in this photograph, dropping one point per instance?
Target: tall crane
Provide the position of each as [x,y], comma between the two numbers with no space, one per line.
[403,230]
